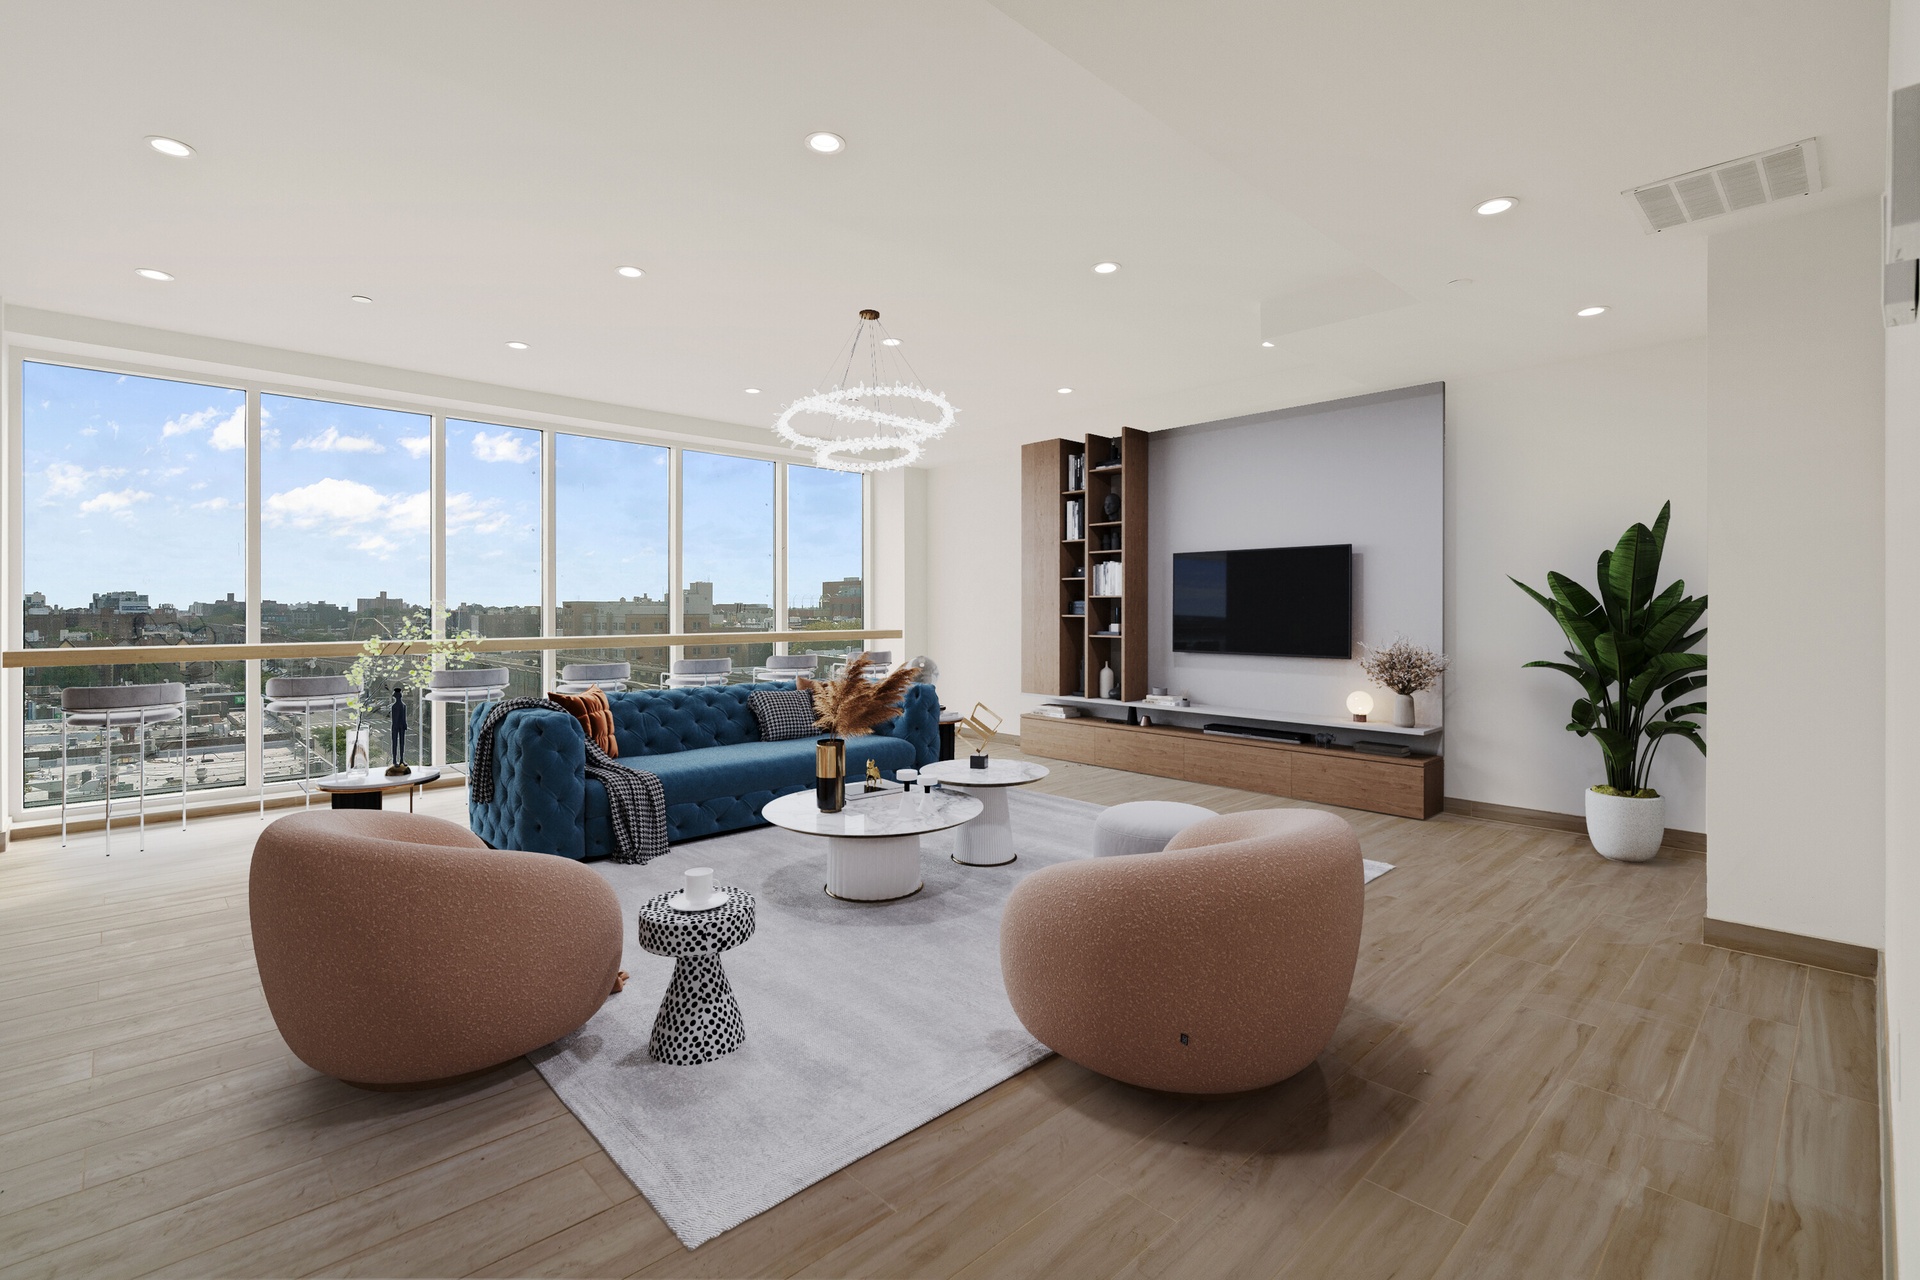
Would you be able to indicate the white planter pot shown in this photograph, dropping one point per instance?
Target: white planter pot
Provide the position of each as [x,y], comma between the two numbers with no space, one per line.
[1626,828]
[1403,710]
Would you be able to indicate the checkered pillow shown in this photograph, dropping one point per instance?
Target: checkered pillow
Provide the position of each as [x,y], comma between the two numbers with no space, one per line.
[783,714]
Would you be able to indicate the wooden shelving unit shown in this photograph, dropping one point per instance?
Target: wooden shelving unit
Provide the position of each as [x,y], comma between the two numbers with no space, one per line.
[1062,651]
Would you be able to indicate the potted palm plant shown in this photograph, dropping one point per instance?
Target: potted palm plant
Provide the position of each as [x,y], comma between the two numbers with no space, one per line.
[1632,654]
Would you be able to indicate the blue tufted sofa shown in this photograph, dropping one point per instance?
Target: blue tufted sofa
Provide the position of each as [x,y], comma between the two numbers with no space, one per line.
[703,744]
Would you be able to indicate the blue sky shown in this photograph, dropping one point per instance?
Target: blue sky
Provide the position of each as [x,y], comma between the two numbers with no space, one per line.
[136,483]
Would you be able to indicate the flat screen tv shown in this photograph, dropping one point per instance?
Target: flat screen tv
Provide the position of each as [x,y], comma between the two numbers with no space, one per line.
[1293,602]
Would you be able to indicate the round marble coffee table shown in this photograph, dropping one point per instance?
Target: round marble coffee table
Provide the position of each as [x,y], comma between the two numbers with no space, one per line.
[873,845]
[989,841]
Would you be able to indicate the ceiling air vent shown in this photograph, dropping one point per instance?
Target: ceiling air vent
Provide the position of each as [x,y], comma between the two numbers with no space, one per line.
[1730,187]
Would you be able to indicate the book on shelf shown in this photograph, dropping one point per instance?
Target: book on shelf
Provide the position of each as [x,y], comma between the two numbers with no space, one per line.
[1076,519]
[1076,471]
[1054,711]
[1105,578]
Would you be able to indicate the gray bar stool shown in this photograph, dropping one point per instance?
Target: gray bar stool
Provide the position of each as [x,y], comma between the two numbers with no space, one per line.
[786,666]
[585,677]
[695,673]
[121,706]
[879,663]
[302,696]
[467,686]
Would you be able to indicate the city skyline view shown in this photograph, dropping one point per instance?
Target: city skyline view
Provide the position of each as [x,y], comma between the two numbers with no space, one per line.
[134,483]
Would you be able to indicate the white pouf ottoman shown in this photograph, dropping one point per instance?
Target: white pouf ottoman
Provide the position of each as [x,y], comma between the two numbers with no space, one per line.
[1143,826]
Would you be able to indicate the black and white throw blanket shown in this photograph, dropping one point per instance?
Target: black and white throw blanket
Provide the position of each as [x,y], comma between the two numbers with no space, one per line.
[637,802]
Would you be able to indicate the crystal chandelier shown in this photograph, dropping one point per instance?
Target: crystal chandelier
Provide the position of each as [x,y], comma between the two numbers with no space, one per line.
[895,436]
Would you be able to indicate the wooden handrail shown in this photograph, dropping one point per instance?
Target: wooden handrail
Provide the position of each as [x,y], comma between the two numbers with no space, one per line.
[129,654]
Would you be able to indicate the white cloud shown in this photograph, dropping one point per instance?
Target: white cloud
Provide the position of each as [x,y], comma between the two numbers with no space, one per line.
[231,434]
[508,446]
[87,431]
[329,501]
[216,504]
[199,420]
[114,502]
[416,446]
[67,479]
[468,514]
[376,545]
[331,441]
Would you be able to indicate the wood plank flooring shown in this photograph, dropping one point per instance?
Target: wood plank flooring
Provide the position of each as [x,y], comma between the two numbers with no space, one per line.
[1542,1072]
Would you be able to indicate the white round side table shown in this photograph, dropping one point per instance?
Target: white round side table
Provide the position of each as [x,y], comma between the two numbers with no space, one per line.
[988,841]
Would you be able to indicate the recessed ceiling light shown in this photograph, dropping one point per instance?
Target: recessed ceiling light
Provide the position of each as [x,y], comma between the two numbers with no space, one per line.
[170,147]
[151,273]
[753,391]
[360,297]
[889,342]
[1266,344]
[1499,204]
[826,143]
[1105,268]
[1066,391]
[1590,311]
[631,273]
[518,346]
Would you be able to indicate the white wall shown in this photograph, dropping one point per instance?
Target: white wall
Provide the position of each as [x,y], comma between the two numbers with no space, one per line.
[1900,976]
[1795,814]
[1369,472]
[1546,467]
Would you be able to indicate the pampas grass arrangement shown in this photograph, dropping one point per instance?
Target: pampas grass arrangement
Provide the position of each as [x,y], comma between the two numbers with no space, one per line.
[851,705]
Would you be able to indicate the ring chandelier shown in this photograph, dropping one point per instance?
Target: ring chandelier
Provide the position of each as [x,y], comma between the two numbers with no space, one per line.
[899,436]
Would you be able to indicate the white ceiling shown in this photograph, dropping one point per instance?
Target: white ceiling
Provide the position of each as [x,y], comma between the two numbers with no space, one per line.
[479,169]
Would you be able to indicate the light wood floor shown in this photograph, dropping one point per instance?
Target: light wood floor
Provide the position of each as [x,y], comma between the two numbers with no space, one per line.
[1542,1073]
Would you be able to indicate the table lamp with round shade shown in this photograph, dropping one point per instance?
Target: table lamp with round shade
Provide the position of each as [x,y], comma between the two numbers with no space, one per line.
[1360,702]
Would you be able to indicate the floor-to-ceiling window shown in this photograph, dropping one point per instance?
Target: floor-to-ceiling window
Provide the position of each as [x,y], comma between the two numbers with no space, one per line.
[826,576]
[132,533]
[345,551]
[136,515]
[726,541]
[493,551]
[611,532]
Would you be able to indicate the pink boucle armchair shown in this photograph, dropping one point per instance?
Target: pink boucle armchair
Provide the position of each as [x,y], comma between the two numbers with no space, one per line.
[1218,966]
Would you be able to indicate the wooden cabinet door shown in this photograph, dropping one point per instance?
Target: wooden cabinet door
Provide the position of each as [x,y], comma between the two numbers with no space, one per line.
[1245,765]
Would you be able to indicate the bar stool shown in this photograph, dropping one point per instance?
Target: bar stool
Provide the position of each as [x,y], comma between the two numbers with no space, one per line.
[879,663]
[122,706]
[302,696]
[467,686]
[786,666]
[585,677]
[695,673]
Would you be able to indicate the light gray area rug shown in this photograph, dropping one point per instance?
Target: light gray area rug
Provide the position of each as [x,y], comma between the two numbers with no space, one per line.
[1375,869]
[864,1021]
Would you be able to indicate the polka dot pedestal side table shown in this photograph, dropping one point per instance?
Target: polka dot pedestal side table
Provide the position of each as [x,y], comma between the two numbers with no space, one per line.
[699,1021]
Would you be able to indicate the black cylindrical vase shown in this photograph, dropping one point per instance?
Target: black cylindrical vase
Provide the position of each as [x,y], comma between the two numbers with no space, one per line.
[830,773]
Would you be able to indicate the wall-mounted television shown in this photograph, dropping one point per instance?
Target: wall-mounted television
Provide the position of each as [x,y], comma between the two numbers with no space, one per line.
[1292,602]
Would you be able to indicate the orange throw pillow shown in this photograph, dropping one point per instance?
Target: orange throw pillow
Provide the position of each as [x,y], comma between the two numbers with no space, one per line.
[595,716]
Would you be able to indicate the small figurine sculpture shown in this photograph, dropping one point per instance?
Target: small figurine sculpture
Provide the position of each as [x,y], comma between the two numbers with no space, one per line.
[873,777]
[399,766]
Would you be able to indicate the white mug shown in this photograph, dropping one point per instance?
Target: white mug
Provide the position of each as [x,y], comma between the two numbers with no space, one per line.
[699,886]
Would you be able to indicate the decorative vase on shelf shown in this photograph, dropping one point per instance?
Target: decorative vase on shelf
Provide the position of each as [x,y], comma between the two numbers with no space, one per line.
[1106,680]
[1403,710]
[830,774]
[359,744]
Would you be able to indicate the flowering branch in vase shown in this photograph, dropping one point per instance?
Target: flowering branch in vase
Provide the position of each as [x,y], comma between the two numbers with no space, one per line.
[1403,666]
